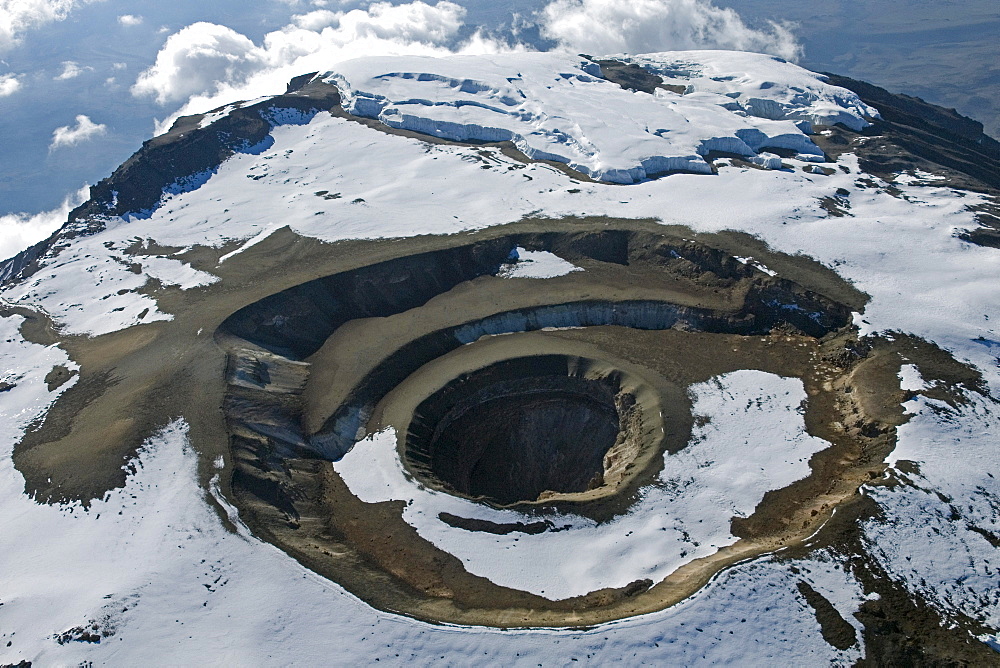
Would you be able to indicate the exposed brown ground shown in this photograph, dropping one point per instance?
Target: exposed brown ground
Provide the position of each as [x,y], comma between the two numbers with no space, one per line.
[134,381]
[432,585]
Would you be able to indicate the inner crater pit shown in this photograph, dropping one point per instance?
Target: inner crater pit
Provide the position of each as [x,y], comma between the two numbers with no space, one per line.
[524,430]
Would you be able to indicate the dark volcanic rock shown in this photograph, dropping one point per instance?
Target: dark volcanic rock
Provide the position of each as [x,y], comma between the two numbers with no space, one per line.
[179,160]
[633,77]
[913,130]
[835,629]
[187,151]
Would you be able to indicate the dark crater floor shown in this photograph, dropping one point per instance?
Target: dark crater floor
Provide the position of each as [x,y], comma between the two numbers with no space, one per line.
[515,430]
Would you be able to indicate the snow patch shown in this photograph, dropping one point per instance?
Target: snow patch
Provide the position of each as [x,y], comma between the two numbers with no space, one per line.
[536,264]
[752,440]
[918,177]
[755,264]
[252,241]
[910,379]
[216,115]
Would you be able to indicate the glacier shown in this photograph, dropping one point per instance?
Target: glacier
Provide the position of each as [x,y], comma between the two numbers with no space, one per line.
[559,108]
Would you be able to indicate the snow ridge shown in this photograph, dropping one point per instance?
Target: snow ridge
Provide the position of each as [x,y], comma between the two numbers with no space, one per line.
[759,85]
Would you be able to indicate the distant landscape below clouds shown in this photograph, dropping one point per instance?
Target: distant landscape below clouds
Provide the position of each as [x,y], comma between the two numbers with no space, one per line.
[83,83]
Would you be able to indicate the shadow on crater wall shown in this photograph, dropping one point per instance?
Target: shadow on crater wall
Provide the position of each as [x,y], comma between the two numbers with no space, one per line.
[537,432]
[516,429]
[268,340]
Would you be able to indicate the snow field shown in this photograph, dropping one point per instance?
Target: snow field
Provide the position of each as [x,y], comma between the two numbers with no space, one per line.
[556,107]
[758,85]
[950,505]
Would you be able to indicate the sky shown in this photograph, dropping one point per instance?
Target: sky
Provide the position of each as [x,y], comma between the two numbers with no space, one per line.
[84,82]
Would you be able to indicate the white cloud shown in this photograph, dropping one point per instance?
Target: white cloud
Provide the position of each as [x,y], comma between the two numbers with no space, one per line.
[208,65]
[69,135]
[129,20]
[414,22]
[317,20]
[19,16]
[643,26]
[9,84]
[197,59]
[119,66]
[20,230]
[204,65]
[71,70]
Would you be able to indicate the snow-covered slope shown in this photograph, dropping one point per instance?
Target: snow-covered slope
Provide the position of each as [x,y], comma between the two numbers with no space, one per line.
[154,572]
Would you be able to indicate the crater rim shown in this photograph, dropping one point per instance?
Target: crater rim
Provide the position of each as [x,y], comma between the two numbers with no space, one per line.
[635,454]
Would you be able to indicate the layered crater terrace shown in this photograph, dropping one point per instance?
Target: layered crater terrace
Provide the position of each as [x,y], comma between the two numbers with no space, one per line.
[341,342]
[528,429]
[544,396]
[393,409]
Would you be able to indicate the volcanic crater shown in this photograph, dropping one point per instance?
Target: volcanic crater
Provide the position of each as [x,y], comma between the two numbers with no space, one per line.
[545,395]
[567,395]
[533,398]
[523,430]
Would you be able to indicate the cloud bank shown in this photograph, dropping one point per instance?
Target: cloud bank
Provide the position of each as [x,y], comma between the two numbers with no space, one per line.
[197,59]
[20,230]
[9,84]
[206,65]
[70,135]
[19,16]
[646,26]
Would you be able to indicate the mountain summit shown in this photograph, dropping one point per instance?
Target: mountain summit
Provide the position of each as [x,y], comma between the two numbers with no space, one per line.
[686,356]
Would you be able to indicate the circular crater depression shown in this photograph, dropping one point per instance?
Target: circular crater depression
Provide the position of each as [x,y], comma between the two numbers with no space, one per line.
[522,430]
[310,370]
